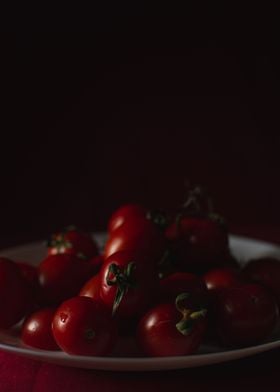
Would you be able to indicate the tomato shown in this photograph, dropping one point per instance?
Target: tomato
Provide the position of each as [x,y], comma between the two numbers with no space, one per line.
[92,288]
[15,294]
[265,271]
[141,234]
[171,329]
[30,274]
[37,330]
[72,241]
[222,277]
[244,315]
[82,326]
[127,212]
[96,262]
[183,282]
[62,276]
[198,243]
[127,280]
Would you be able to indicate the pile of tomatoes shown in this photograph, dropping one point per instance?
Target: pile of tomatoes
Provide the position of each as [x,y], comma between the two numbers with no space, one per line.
[169,282]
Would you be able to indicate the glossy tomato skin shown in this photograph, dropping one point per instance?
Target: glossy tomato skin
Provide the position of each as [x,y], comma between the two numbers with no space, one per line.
[125,213]
[158,336]
[81,326]
[244,315]
[265,271]
[183,282]
[143,278]
[15,294]
[92,288]
[140,234]
[219,278]
[198,243]
[73,242]
[62,276]
[37,330]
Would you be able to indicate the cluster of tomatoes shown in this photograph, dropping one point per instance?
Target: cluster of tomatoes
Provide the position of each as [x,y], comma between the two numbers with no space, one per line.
[169,282]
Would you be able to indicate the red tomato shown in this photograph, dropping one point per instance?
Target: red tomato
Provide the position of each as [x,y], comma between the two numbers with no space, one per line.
[96,262]
[92,288]
[72,241]
[141,234]
[183,282]
[37,330]
[81,326]
[62,276]
[222,277]
[198,243]
[127,281]
[15,295]
[30,274]
[265,271]
[128,212]
[169,330]
[244,314]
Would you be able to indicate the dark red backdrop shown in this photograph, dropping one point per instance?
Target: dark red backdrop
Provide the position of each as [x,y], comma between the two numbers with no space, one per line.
[92,120]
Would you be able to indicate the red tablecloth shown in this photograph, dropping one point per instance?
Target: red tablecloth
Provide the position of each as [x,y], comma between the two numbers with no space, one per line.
[258,373]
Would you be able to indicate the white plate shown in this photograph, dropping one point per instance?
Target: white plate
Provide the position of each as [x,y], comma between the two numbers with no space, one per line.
[242,248]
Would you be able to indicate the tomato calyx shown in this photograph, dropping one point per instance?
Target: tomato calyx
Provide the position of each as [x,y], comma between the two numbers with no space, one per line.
[199,205]
[123,279]
[190,317]
[59,242]
[158,218]
[166,264]
[89,334]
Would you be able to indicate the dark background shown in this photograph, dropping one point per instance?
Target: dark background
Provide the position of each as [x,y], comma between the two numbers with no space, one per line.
[94,118]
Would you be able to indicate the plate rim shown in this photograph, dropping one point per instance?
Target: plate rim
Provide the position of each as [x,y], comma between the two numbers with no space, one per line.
[142,363]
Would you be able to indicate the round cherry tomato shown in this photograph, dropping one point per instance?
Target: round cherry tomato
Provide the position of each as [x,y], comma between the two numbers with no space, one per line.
[92,288]
[265,271]
[127,212]
[15,294]
[127,280]
[30,274]
[82,326]
[198,243]
[141,234]
[169,329]
[96,262]
[62,276]
[72,241]
[244,315]
[222,277]
[37,330]
[183,282]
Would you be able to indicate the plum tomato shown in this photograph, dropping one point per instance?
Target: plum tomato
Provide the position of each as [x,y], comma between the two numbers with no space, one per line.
[62,276]
[244,315]
[218,278]
[172,328]
[92,288]
[183,282]
[15,294]
[127,283]
[72,241]
[127,212]
[37,330]
[81,326]
[198,243]
[141,234]
[265,271]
